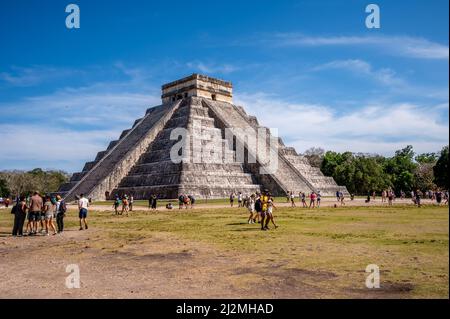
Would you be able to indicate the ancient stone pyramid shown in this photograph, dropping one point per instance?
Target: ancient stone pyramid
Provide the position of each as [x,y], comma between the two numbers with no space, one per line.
[140,162]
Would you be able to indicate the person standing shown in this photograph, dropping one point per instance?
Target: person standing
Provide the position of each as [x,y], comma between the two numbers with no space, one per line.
[154,201]
[312,200]
[83,205]
[116,205]
[264,203]
[131,203]
[231,199]
[292,199]
[258,208]
[318,199]
[239,199]
[61,209]
[251,209]
[34,215]
[125,205]
[49,210]
[19,216]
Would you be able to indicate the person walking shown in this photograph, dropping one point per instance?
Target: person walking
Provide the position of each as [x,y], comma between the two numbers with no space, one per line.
[292,199]
[61,210]
[20,212]
[312,200]
[83,204]
[251,209]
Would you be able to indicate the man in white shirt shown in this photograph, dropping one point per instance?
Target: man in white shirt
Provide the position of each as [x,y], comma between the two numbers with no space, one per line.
[83,204]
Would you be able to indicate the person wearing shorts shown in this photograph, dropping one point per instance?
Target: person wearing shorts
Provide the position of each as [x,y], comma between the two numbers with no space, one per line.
[34,214]
[49,210]
[83,205]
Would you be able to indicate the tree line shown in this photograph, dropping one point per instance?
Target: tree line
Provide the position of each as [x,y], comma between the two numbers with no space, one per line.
[364,173]
[13,183]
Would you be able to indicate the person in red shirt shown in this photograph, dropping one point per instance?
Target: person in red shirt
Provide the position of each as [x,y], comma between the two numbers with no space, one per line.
[312,201]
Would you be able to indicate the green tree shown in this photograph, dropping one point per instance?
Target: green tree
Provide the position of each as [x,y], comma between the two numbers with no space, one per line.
[440,170]
[4,190]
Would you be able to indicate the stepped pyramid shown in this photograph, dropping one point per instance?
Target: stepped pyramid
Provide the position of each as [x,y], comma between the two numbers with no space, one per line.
[154,157]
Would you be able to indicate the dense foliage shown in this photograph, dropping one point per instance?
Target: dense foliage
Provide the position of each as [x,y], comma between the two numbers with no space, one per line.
[21,182]
[362,173]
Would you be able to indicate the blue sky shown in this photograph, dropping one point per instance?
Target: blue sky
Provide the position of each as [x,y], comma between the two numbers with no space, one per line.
[309,68]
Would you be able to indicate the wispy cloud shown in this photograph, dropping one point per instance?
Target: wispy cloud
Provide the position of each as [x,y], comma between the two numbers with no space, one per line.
[34,75]
[212,68]
[406,46]
[372,128]
[384,76]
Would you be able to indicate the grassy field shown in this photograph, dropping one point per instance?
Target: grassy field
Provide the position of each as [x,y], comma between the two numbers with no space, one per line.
[326,250]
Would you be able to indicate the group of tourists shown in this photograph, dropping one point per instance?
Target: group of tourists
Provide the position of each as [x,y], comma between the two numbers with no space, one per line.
[185,201]
[314,199]
[4,202]
[40,212]
[126,202]
[260,207]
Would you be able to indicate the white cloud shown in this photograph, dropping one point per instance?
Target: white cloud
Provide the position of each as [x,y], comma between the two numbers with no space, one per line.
[30,76]
[372,128]
[384,76]
[211,68]
[411,47]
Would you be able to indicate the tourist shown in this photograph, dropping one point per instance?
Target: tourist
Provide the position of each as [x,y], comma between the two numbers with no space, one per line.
[374,195]
[169,206]
[150,199]
[192,200]
[116,205]
[438,198]
[292,199]
[6,202]
[341,196]
[258,207]
[154,201]
[34,214]
[390,197]
[181,201]
[49,211]
[20,212]
[288,196]
[383,196]
[232,199]
[368,198]
[131,203]
[269,213]
[61,209]
[352,196]
[338,198]
[304,200]
[417,198]
[187,201]
[125,205]
[312,200]
[83,205]
[239,199]
[318,199]
[264,203]
[251,209]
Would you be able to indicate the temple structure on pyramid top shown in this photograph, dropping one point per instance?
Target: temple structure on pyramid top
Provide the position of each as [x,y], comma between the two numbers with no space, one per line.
[182,147]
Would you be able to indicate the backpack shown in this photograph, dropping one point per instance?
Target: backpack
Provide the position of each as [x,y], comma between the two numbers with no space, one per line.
[258,205]
[14,209]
